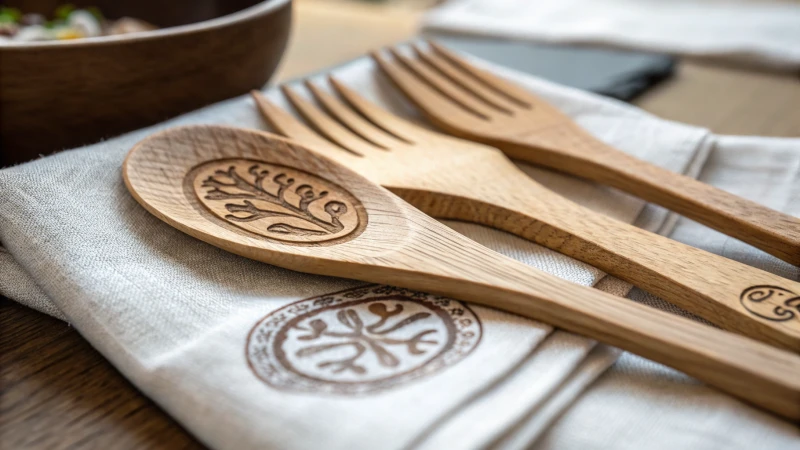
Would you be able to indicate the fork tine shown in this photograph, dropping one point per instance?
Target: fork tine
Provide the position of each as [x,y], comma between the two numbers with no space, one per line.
[282,121]
[329,128]
[508,89]
[401,128]
[292,128]
[438,108]
[466,81]
[353,121]
[445,87]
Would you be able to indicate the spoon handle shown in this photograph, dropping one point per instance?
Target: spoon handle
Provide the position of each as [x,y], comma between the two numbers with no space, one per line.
[752,371]
[732,295]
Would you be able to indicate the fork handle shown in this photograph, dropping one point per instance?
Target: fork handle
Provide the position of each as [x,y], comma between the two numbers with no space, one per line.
[732,295]
[767,229]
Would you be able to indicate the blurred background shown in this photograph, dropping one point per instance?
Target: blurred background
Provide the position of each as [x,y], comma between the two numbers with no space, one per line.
[681,60]
[726,97]
[329,32]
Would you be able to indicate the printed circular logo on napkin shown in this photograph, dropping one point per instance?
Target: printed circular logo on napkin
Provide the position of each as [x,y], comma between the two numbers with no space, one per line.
[360,340]
[277,202]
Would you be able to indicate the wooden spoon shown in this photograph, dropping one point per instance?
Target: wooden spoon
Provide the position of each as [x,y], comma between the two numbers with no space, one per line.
[267,198]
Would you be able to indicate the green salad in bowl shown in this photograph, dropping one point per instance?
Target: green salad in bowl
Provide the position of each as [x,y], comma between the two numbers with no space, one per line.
[67,22]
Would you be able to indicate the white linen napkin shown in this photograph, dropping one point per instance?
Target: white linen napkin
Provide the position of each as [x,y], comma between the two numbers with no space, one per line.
[755,33]
[195,327]
[640,404]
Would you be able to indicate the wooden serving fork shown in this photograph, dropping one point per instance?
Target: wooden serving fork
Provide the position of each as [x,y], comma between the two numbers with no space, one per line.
[450,178]
[475,104]
[267,198]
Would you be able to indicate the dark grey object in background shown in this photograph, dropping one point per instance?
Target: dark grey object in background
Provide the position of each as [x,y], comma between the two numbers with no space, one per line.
[619,74]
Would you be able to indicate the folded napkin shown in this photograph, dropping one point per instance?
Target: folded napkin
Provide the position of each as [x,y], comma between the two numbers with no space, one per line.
[235,350]
[756,33]
[639,404]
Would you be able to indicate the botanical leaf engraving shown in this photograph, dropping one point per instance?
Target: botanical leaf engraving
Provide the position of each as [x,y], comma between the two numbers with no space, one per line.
[365,338]
[360,340]
[275,201]
[771,303]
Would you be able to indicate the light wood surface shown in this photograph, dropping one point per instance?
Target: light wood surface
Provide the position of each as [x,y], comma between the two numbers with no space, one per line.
[728,100]
[172,172]
[451,178]
[328,33]
[724,99]
[469,102]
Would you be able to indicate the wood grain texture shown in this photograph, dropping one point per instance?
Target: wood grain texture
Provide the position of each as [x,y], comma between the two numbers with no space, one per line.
[276,202]
[726,100]
[57,392]
[450,178]
[472,103]
[402,246]
[58,95]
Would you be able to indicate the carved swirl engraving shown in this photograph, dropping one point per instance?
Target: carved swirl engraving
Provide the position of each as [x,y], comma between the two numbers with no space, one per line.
[277,202]
[771,302]
[360,340]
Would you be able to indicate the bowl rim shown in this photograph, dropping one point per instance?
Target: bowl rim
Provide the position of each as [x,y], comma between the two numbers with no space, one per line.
[258,9]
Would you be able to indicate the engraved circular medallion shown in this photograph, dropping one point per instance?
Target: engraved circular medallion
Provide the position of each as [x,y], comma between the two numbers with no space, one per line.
[771,303]
[360,340]
[276,202]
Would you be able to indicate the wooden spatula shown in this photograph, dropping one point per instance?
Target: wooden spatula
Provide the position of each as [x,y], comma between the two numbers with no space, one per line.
[269,199]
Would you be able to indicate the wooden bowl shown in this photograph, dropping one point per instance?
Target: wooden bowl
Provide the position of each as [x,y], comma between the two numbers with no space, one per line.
[62,94]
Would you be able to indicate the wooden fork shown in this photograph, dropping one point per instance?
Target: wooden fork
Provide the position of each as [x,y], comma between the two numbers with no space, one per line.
[475,104]
[450,178]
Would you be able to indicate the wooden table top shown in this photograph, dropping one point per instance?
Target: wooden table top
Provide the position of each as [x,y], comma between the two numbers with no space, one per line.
[56,391]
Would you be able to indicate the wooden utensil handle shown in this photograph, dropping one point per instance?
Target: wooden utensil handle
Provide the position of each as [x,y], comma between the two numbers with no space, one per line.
[755,372]
[730,294]
[772,231]
[767,229]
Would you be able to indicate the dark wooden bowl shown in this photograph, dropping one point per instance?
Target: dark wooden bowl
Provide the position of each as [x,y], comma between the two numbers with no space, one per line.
[62,94]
